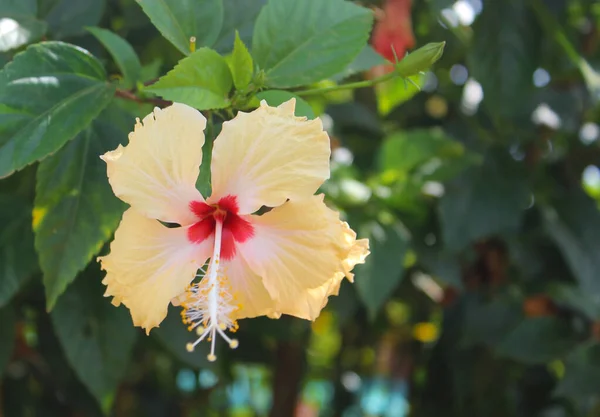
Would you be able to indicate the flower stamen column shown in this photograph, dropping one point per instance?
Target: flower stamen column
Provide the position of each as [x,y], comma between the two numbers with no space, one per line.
[209,304]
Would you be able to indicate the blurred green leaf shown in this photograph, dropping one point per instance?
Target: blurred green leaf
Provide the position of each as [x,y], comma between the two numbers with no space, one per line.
[240,64]
[202,80]
[122,52]
[298,43]
[7,336]
[20,24]
[45,96]
[582,373]
[574,296]
[503,57]
[18,260]
[488,323]
[439,5]
[406,150]
[573,223]
[174,335]
[97,337]
[75,210]
[68,18]
[179,20]
[365,60]
[239,15]
[441,264]
[392,93]
[376,280]
[538,340]
[553,28]
[277,97]
[484,201]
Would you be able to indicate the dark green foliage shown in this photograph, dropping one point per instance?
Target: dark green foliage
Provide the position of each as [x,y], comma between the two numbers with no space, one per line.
[479,194]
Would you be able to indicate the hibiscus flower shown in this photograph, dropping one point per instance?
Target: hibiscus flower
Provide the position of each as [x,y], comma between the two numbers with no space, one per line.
[288,260]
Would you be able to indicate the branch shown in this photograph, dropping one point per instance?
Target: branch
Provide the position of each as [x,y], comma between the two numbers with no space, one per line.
[128,95]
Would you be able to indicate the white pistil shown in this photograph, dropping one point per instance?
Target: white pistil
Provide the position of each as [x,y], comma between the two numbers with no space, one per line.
[209,305]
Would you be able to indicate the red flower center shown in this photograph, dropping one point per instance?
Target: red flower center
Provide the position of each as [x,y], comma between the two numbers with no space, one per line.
[235,228]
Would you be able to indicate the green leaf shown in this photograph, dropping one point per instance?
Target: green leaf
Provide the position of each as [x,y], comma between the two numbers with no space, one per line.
[392,93]
[68,18]
[174,335]
[302,42]
[576,297]
[76,211]
[490,323]
[97,337]
[442,265]
[20,25]
[538,340]
[380,275]
[46,96]
[7,336]
[240,64]
[201,80]
[573,222]
[365,60]
[203,183]
[582,373]
[239,16]
[483,201]
[277,97]
[404,151]
[179,20]
[122,52]
[503,57]
[18,260]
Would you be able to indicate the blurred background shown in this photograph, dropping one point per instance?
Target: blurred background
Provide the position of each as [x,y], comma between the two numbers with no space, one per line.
[478,191]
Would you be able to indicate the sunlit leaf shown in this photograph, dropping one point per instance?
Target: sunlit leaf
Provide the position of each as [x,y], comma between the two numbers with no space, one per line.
[240,64]
[45,96]
[299,43]
[202,80]
[239,15]
[179,20]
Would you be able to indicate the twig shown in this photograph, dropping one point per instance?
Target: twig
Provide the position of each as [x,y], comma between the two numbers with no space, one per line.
[128,95]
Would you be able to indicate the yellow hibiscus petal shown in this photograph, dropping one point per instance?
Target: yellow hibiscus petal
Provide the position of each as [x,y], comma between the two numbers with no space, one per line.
[302,251]
[358,250]
[150,264]
[249,292]
[268,156]
[156,172]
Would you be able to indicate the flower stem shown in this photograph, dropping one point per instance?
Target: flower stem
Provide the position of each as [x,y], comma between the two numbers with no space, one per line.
[412,64]
[349,86]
